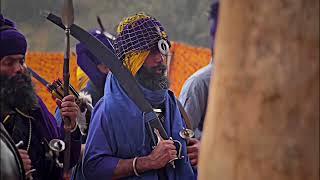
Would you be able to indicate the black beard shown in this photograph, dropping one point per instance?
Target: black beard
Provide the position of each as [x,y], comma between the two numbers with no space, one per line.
[149,79]
[17,92]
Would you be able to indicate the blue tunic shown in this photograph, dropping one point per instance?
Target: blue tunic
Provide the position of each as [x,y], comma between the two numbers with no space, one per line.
[117,131]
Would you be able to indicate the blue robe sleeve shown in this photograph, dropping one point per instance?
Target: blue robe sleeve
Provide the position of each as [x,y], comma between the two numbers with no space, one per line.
[99,162]
[58,117]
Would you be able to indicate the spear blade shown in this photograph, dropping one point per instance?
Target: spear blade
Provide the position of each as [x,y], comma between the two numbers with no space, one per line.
[67,13]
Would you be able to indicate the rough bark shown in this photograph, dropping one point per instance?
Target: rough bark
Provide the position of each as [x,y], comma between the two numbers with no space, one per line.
[263,114]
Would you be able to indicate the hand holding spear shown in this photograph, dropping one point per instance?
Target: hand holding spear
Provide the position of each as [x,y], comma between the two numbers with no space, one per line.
[67,20]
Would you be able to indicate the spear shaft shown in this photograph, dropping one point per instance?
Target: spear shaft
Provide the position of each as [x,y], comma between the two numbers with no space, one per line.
[67,20]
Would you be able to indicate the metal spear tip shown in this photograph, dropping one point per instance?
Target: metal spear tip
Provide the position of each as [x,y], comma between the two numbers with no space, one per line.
[67,13]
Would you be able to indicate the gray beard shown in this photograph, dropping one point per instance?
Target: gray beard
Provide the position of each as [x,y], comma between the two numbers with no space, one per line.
[150,80]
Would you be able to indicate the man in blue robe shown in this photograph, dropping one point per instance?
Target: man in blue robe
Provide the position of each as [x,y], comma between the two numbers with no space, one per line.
[118,144]
[25,116]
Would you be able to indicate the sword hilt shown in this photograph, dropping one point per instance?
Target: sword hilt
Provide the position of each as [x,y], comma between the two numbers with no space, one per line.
[179,156]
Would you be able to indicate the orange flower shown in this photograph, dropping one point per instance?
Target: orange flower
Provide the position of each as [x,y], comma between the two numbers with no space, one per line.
[50,67]
[184,61]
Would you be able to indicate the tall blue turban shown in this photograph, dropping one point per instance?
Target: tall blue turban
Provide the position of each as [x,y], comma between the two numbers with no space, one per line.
[11,40]
[88,62]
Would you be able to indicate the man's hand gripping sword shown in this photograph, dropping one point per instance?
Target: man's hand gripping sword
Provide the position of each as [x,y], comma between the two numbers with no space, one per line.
[175,141]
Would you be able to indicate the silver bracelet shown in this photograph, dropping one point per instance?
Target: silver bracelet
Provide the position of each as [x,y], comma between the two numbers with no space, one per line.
[134,166]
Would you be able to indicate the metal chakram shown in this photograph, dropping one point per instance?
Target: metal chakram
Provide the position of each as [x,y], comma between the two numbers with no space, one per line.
[163,47]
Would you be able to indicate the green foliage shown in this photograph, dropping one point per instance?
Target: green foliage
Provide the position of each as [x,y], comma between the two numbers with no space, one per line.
[185,20]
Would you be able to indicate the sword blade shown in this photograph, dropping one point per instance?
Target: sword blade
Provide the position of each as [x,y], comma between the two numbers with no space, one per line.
[38,77]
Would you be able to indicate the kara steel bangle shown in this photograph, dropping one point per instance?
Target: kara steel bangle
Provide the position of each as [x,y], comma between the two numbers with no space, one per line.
[134,166]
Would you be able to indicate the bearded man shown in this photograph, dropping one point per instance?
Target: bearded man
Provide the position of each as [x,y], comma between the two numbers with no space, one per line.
[25,116]
[118,144]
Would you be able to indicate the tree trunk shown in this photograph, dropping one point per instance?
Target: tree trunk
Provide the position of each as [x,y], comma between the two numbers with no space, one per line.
[263,114]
